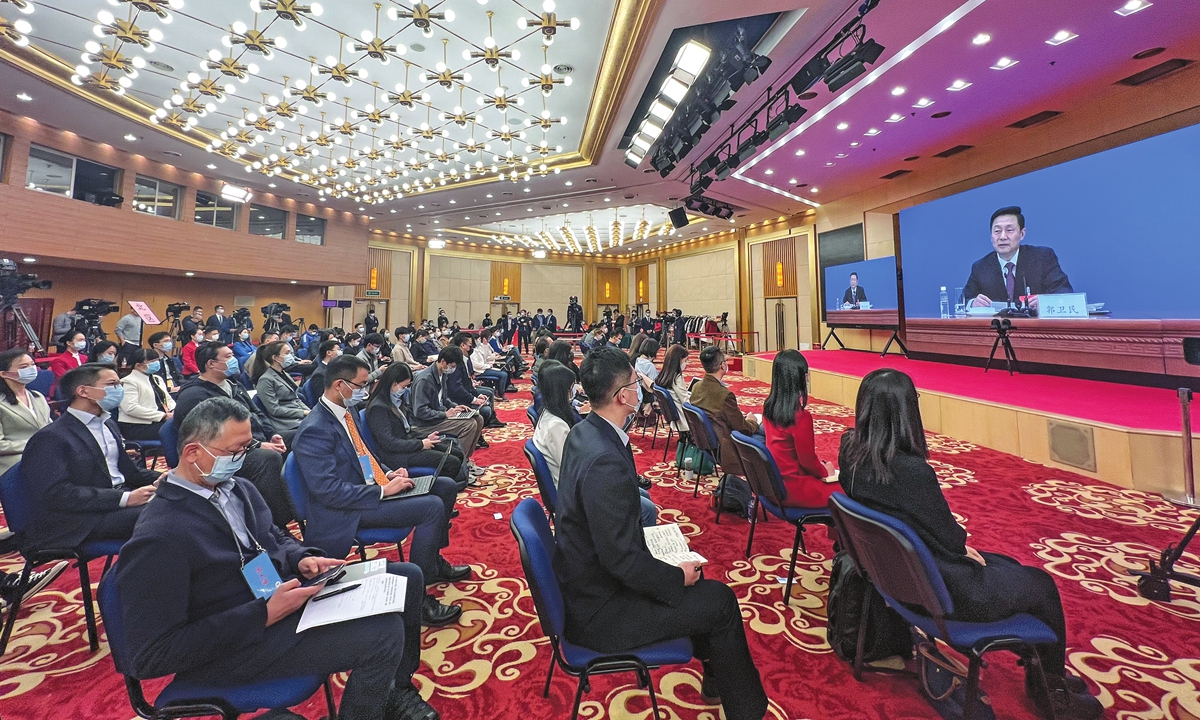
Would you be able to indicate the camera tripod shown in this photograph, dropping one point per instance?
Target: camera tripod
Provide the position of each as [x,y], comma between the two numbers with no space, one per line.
[23,320]
[1002,328]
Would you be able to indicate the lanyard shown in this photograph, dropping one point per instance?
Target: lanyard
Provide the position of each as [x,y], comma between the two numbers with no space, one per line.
[215,500]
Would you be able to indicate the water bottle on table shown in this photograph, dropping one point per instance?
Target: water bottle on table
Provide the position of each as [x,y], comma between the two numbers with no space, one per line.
[945,303]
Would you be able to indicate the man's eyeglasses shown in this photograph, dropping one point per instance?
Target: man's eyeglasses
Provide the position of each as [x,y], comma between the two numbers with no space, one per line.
[353,384]
[241,454]
[618,392]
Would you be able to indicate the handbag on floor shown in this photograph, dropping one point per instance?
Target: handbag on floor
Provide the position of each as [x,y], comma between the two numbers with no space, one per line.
[887,633]
[944,683]
[702,462]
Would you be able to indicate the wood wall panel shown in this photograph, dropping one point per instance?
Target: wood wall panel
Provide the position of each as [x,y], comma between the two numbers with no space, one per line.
[506,280]
[779,268]
[641,285]
[379,261]
[608,286]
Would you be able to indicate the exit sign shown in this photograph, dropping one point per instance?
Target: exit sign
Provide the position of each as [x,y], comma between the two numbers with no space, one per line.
[373,293]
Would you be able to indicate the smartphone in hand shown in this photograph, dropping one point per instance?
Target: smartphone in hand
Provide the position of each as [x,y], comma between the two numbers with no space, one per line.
[330,576]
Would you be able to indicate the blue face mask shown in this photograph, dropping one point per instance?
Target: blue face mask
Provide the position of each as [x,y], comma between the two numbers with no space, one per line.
[168,345]
[153,367]
[81,344]
[107,359]
[288,360]
[356,397]
[223,469]
[231,367]
[399,396]
[113,395]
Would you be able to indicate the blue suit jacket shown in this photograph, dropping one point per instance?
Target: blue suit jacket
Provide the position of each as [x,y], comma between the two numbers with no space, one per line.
[338,492]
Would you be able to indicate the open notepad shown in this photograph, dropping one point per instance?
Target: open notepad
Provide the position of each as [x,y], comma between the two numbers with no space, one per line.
[377,593]
[667,543]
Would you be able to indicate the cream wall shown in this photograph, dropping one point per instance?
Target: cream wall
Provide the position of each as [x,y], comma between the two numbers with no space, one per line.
[550,286]
[758,305]
[460,286]
[398,306]
[704,284]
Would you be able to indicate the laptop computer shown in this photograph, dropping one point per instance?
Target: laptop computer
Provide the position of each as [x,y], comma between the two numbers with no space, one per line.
[424,483]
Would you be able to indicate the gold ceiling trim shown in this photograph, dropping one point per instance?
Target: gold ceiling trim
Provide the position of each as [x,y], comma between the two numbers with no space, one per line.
[628,34]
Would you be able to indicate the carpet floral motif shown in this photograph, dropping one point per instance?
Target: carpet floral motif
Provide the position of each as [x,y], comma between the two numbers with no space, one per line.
[1121,505]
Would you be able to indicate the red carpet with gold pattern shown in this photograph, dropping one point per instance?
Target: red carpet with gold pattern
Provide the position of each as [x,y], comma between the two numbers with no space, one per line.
[1141,657]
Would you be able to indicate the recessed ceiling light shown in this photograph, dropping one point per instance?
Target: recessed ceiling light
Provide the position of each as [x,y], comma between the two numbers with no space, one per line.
[1131,7]
[843,125]
[768,171]
[841,155]
[271,185]
[897,91]
[524,189]
[793,181]
[607,199]
[981,39]
[420,207]
[24,97]
[131,137]
[569,183]
[566,204]
[453,202]
[497,214]
[489,196]
[923,103]
[812,190]
[855,144]
[29,259]
[1061,37]
[895,118]
[958,85]
[189,273]
[1004,63]
[829,164]
[799,153]
[293,282]
[212,167]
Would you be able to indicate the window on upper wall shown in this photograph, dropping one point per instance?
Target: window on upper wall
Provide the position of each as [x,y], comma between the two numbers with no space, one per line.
[53,172]
[310,230]
[3,155]
[214,210]
[267,221]
[157,197]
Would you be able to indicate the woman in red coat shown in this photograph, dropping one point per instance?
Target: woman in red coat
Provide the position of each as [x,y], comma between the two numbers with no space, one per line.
[70,359]
[790,435]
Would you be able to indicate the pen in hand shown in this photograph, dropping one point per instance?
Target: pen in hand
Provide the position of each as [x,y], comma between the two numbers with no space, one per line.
[339,591]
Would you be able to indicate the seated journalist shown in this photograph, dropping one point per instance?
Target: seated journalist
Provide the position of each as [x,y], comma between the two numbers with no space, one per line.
[432,406]
[1003,275]
[617,596]
[720,404]
[190,612]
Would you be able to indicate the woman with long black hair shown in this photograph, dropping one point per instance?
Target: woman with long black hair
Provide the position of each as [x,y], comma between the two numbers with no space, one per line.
[884,466]
[671,379]
[791,437]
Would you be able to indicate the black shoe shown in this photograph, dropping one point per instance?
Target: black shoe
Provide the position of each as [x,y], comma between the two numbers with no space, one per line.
[708,687]
[450,573]
[494,423]
[436,614]
[1074,683]
[643,483]
[482,444]
[1068,705]
[407,704]
[454,513]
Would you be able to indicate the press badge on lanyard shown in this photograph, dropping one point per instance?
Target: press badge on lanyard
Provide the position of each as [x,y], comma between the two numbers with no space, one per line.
[368,471]
[260,572]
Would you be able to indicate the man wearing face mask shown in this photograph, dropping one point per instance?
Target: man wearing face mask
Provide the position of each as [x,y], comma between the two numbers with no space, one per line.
[326,352]
[370,354]
[432,406]
[164,345]
[185,587]
[348,488]
[221,323]
[82,485]
[617,595]
[401,351]
[264,463]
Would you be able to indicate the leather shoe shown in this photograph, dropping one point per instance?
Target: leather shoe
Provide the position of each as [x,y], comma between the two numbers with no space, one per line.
[643,483]
[482,444]
[450,573]
[436,614]
[407,704]
[496,423]
[708,687]
[1073,682]
[454,513]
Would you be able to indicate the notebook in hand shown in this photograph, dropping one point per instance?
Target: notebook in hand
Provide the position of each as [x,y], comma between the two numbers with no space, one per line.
[667,543]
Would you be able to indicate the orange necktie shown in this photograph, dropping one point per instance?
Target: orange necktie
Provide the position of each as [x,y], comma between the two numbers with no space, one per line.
[361,448]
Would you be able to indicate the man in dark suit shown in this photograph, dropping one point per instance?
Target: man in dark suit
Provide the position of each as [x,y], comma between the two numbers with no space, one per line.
[326,352]
[617,595]
[1005,274]
[349,489]
[190,611]
[720,404]
[222,322]
[551,320]
[82,485]
[461,388]
[854,294]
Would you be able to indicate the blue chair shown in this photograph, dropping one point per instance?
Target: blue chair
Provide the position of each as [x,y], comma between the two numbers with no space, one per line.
[532,415]
[168,436]
[145,449]
[245,381]
[182,699]
[369,440]
[545,481]
[766,483]
[537,401]
[899,564]
[308,394]
[17,509]
[536,545]
[365,536]
[302,353]
[178,360]
[670,414]
[258,405]
[43,382]
[703,436]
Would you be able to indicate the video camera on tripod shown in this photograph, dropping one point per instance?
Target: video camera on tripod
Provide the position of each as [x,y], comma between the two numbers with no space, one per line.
[241,318]
[273,314]
[87,318]
[14,284]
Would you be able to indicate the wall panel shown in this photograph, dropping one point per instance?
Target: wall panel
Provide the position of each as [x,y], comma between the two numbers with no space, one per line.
[608,288]
[779,268]
[506,280]
[550,286]
[704,284]
[461,286]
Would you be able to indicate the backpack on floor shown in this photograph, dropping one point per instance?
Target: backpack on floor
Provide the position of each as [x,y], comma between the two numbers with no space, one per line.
[887,633]
[943,683]
[702,462]
[736,498]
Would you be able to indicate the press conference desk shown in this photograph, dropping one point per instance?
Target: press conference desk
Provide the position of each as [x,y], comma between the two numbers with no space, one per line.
[1144,346]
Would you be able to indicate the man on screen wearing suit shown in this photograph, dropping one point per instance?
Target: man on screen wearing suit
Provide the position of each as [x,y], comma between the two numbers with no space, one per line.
[1004,274]
[189,608]
[854,294]
[617,595]
[82,485]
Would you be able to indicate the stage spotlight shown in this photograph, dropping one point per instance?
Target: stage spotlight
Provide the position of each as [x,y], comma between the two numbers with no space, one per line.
[702,183]
[784,120]
[708,164]
[664,164]
[723,170]
[723,212]
[756,68]
[809,75]
[852,64]
[679,218]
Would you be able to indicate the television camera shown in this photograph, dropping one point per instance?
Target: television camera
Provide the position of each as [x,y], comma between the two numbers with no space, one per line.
[87,318]
[273,316]
[14,284]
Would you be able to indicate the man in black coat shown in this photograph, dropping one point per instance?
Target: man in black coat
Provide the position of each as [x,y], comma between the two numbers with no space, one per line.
[81,484]
[617,595]
[264,463]
[1003,275]
[461,388]
[854,294]
[190,611]
[552,321]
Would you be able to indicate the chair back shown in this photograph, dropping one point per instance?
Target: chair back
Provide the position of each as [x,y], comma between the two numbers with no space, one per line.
[244,380]
[14,500]
[108,597]
[43,382]
[258,405]
[537,402]
[307,394]
[178,360]
[296,488]
[541,471]
[364,431]
[536,545]
[703,434]
[761,471]
[666,403]
[532,415]
[302,353]
[168,434]
[893,557]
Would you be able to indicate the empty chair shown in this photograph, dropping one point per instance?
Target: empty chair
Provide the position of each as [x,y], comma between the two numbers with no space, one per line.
[669,414]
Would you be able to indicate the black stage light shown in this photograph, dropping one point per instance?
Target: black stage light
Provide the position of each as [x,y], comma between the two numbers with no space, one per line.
[663,163]
[781,122]
[809,75]
[674,146]
[756,68]
[702,183]
[708,164]
[679,218]
[723,213]
[852,64]
[723,169]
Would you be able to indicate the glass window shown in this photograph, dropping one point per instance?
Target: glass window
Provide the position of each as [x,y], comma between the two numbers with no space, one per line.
[96,183]
[49,172]
[267,221]
[156,197]
[214,210]
[310,230]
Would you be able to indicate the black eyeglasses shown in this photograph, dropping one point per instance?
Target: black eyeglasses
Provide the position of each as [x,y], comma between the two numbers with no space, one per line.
[353,384]
[632,384]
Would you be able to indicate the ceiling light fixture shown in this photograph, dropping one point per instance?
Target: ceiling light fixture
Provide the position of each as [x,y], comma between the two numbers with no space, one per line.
[689,62]
[236,194]
[29,260]
[923,103]
[897,91]
[1061,37]
[872,132]
[895,118]
[959,85]
[843,126]
[1131,7]
[1004,63]
[24,97]
[981,39]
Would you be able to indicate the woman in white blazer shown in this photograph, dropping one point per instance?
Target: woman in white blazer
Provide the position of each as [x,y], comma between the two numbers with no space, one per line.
[22,411]
[146,404]
[671,379]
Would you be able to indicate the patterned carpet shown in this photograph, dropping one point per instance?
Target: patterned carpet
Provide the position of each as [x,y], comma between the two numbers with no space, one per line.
[1143,658]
